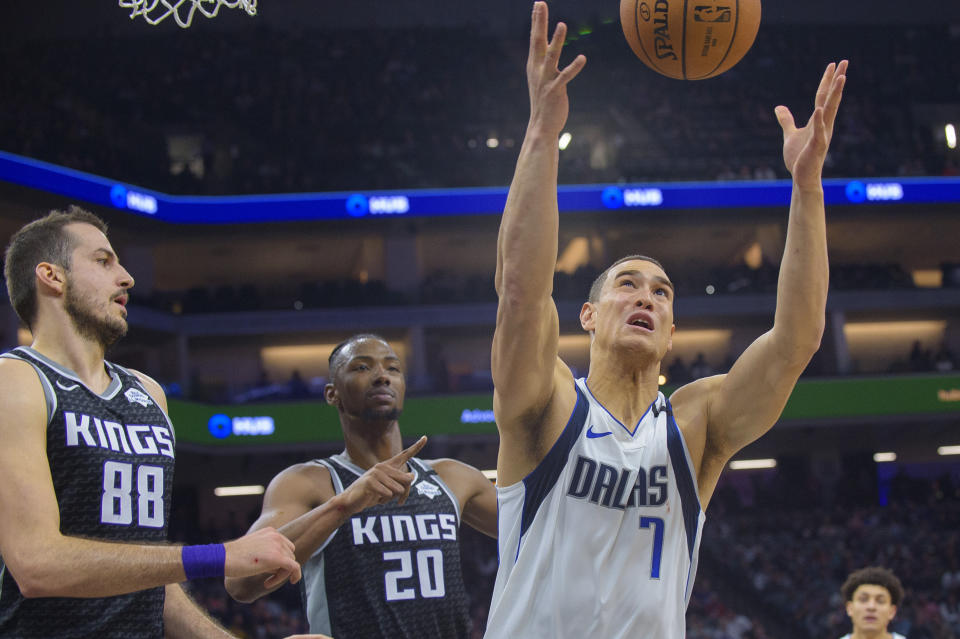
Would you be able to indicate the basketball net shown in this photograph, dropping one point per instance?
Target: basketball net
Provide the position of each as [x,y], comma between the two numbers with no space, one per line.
[155,11]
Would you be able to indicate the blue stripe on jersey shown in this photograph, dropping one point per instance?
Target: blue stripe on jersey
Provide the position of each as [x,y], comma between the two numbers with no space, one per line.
[542,478]
[681,470]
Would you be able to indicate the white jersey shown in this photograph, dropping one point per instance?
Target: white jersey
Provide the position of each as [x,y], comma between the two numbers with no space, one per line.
[893,635]
[601,539]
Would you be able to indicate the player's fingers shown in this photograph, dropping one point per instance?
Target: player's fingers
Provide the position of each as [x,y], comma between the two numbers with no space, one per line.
[404,455]
[826,80]
[276,579]
[836,94]
[296,573]
[382,490]
[403,498]
[538,30]
[389,488]
[785,118]
[556,45]
[573,69]
[819,128]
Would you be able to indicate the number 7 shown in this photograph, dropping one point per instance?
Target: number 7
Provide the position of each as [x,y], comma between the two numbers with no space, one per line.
[657,523]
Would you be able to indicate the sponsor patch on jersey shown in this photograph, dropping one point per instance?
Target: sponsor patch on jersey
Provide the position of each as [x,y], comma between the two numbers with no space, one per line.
[427,489]
[137,396]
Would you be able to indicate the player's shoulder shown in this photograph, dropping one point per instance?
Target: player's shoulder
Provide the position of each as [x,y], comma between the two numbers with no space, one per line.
[18,376]
[462,478]
[308,483]
[693,399]
[446,465]
[152,386]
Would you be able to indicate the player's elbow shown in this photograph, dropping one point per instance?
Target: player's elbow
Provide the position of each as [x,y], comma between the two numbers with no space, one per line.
[799,344]
[34,580]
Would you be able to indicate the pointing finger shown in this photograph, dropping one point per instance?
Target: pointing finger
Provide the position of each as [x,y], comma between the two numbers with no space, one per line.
[404,456]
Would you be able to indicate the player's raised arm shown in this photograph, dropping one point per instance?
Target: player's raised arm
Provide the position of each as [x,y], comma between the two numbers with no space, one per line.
[732,410]
[524,355]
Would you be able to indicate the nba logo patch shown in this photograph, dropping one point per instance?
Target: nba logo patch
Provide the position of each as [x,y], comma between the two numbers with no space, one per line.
[427,489]
[136,396]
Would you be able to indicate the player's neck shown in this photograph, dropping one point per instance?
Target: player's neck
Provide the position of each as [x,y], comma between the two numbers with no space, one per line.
[369,444]
[82,356]
[624,391]
[867,634]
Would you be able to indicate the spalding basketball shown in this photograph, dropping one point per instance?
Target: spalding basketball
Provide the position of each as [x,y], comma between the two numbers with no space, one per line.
[690,39]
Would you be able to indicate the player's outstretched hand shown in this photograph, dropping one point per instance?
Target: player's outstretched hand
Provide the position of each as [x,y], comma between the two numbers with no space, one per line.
[549,105]
[262,551]
[386,481]
[805,149]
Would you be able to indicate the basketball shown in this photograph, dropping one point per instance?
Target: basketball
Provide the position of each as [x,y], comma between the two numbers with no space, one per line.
[690,40]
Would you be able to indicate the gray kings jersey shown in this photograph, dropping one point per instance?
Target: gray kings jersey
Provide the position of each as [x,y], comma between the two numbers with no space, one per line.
[111,458]
[390,570]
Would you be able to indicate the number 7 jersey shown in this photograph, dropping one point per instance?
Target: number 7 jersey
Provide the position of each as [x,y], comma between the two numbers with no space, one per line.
[601,539]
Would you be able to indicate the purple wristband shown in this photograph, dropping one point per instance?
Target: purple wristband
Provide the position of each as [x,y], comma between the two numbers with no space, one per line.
[203,561]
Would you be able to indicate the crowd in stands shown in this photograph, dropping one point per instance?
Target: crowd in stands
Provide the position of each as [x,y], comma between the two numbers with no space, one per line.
[259,111]
[442,287]
[793,546]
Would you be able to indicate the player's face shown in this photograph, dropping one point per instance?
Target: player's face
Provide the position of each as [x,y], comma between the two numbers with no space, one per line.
[635,309]
[96,287]
[370,383]
[871,609]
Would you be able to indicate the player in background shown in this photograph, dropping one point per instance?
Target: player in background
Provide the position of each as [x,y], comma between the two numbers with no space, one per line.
[86,466]
[376,528]
[872,595]
[602,482]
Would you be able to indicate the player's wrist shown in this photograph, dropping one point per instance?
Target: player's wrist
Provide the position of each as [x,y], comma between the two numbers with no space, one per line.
[208,560]
[347,503]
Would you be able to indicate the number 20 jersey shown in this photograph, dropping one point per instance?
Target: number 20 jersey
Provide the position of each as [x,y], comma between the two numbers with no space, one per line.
[390,571]
[601,539]
[111,458]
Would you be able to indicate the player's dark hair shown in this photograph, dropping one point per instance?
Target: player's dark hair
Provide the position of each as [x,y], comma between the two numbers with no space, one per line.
[336,355]
[597,285]
[873,576]
[43,240]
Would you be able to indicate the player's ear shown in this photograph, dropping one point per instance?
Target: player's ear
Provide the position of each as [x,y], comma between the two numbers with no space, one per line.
[330,394]
[51,276]
[588,313]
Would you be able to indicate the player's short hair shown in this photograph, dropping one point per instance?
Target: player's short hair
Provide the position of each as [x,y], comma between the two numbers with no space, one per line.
[597,285]
[873,576]
[43,240]
[337,357]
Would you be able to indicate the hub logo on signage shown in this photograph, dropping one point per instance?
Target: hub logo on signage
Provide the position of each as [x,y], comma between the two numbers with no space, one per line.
[222,426]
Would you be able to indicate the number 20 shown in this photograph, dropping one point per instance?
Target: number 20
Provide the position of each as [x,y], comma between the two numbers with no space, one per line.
[429,571]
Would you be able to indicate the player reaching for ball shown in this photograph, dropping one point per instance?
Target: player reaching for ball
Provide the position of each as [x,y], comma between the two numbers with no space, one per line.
[602,481]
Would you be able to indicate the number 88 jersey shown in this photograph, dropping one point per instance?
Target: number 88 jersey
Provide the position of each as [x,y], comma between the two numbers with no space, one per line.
[111,458]
[390,570]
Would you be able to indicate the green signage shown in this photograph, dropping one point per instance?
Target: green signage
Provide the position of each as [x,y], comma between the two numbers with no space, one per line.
[315,421]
